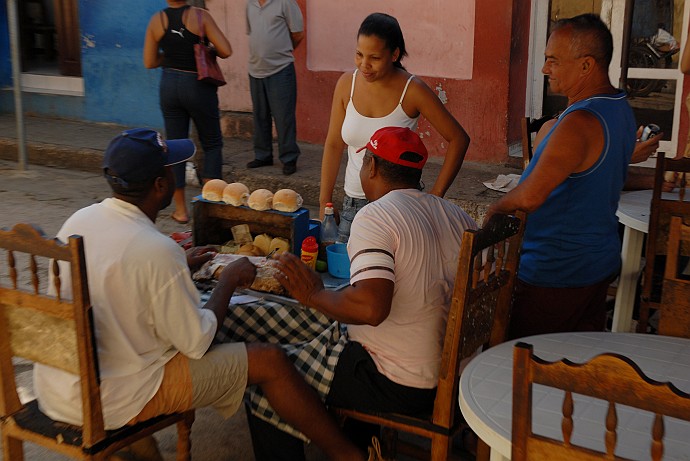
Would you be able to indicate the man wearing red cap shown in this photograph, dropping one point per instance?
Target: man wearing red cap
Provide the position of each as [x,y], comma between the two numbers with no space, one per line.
[403,250]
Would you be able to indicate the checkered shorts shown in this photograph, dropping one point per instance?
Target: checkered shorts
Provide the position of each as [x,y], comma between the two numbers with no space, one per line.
[311,340]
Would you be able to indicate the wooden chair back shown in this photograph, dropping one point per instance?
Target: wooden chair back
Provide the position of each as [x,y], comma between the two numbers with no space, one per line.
[612,378]
[529,128]
[661,211]
[478,318]
[674,318]
[57,332]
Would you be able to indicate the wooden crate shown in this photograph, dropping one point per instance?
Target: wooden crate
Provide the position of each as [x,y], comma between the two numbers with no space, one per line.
[213,221]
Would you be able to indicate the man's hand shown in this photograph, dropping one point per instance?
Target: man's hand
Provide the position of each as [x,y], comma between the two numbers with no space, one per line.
[298,279]
[197,256]
[240,273]
[237,274]
[645,149]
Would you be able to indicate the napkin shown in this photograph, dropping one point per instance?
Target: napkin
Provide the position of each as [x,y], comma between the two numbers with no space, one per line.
[504,182]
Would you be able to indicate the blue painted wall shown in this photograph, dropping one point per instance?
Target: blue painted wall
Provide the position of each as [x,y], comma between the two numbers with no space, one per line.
[117,87]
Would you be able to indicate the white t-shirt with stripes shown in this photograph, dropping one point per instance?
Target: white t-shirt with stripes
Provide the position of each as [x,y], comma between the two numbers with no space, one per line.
[412,238]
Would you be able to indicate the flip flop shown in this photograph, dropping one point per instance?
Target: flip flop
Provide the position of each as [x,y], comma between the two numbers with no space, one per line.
[179,221]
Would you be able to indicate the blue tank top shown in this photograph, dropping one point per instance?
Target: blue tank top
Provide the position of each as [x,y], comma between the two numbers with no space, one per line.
[177,42]
[572,239]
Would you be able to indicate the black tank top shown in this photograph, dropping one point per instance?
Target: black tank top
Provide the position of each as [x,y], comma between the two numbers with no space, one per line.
[177,42]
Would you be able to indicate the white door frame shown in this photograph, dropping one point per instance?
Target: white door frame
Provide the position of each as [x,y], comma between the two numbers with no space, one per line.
[610,9]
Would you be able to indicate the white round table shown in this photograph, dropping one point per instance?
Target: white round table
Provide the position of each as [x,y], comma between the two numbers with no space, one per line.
[486,393]
[633,212]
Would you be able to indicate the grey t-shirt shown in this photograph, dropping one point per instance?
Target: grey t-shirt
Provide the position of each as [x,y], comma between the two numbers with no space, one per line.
[269,28]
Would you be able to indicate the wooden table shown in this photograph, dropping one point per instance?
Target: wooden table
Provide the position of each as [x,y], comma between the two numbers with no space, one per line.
[486,393]
[633,212]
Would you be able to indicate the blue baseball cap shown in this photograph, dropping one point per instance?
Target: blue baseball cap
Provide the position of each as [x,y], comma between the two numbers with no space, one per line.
[138,155]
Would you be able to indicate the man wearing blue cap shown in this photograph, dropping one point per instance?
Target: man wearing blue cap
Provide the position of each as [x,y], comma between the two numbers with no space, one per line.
[154,342]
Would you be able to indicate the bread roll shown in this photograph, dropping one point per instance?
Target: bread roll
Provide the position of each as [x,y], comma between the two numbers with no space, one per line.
[261,200]
[287,200]
[263,241]
[265,279]
[249,249]
[236,194]
[279,244]
[213,190]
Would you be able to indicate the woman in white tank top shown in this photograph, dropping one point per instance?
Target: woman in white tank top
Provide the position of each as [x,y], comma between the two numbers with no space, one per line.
[380,93]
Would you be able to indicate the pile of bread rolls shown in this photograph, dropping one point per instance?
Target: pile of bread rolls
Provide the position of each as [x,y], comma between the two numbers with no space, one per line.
[264,245]
[237,194]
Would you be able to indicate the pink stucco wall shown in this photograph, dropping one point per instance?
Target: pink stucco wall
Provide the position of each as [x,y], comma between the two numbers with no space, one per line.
[487,101]
[432,49]
[230,16]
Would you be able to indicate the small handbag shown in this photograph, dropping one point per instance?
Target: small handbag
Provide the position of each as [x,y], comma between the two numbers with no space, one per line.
[206,65]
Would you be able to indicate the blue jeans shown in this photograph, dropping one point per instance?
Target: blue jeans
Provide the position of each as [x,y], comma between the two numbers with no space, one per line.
[275,97]
[347,214]
[183,97]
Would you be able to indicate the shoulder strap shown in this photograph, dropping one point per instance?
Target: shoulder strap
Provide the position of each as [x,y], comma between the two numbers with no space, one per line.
[201,24]
[352,89]
[161,13]
[405,89]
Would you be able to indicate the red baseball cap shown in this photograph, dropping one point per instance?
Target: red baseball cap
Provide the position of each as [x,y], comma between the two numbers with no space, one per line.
[392,142]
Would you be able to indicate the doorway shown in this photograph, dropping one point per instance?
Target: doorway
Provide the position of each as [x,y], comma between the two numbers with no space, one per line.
[654,83]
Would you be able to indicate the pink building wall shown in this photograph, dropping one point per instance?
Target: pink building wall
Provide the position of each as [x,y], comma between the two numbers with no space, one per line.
[473,53]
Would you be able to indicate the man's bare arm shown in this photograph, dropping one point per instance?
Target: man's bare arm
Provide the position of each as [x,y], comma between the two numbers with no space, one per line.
[567,152]
[368,302]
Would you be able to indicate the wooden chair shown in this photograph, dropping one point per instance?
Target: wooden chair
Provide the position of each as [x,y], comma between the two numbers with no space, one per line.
[58,332]
[609,377]
[674,311]
[477,318]
[530,127]
[659,219]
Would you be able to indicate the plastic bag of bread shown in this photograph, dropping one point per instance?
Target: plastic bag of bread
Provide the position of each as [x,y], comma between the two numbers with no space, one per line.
[236,194]
[265,272]
[213,190]
[287,200]
[260,200]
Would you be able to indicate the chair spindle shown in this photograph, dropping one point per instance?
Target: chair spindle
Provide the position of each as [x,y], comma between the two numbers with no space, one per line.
[13,268]
[567,423]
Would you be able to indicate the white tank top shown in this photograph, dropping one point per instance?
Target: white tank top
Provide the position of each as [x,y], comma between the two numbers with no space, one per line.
[357,130]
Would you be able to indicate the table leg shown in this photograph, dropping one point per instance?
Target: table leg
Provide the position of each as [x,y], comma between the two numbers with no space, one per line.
[631,253]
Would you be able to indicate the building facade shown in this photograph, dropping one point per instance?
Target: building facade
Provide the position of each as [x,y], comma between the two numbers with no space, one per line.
[82,59]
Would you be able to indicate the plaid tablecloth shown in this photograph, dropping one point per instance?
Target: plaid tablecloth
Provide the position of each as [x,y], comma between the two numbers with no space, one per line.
[311,340]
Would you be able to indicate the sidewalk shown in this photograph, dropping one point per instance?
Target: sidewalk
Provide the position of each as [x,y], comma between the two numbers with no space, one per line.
[80,145]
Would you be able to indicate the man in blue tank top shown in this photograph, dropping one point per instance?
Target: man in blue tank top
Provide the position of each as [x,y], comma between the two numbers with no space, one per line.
[571,247]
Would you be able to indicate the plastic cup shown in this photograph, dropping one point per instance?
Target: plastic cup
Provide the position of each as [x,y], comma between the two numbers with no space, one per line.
[338,260]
